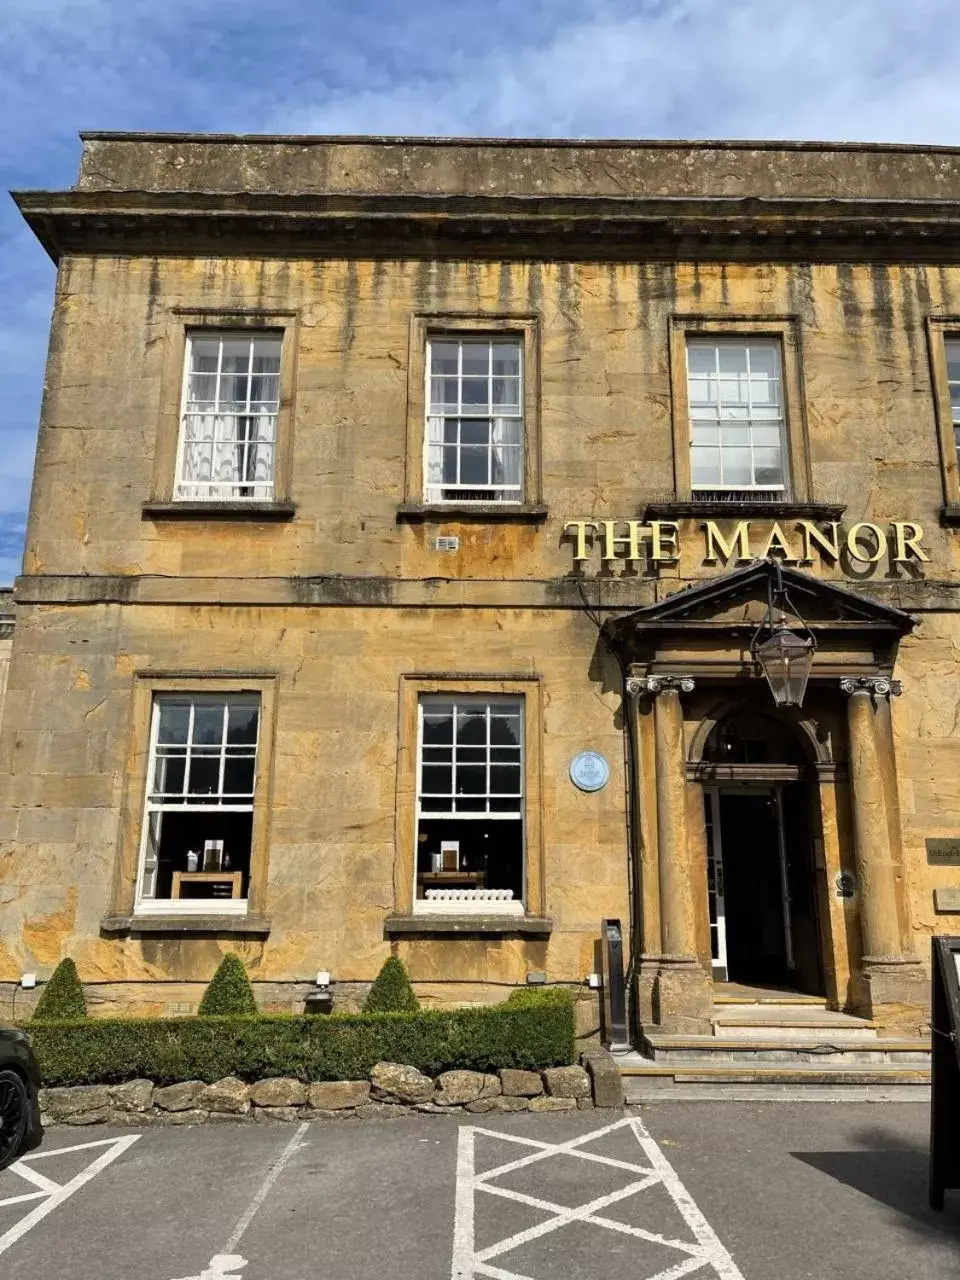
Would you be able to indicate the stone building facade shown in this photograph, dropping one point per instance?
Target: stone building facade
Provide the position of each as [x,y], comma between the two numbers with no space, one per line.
[406,515]
[6,639]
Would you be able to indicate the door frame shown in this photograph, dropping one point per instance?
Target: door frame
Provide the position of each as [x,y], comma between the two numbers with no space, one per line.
[716,885]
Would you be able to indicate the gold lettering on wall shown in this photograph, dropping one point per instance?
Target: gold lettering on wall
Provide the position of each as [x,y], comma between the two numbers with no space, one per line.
[903,542]
[828,543]
[717,547]
[854,544]
[580,551]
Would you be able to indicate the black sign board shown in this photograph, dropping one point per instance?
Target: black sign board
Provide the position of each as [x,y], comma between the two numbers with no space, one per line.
[945,1068]
[943,853]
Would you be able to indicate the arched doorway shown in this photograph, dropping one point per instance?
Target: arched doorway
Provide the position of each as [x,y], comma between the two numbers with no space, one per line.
[760,872]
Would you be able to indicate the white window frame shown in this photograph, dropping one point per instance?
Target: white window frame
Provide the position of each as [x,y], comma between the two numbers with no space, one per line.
[435,423]
[227,490]
[145,903]
[952,352]
[703,414]
[475,903]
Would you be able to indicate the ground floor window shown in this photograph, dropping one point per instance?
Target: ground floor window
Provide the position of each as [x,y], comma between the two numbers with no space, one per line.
[198,819]
[470,804]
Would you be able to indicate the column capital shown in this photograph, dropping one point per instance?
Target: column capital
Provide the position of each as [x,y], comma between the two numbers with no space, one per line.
[650,686]
[876,686]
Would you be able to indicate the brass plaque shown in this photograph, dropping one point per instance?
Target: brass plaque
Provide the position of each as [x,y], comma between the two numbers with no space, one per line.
[943,852]
[946,901]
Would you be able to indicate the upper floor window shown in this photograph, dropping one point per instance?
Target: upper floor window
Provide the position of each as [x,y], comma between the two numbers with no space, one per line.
[198,821]
[228,425]
[953,381]
[474,435]
[737,422]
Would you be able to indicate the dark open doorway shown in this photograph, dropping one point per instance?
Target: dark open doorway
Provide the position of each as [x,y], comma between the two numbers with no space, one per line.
[763,910]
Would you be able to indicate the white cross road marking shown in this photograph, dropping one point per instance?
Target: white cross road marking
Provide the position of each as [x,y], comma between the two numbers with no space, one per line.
[703,1254]
[52,1194]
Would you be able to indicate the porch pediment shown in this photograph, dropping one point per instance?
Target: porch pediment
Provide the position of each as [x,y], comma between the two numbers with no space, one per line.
[723,613]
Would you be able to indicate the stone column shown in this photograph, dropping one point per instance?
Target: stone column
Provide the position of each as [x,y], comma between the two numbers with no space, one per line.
[683,990]
[894,985]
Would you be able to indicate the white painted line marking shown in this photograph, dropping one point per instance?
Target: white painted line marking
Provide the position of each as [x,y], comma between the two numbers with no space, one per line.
[30,1195]
[227,1264]
[704,1251]
[54,1198]
[35,1178]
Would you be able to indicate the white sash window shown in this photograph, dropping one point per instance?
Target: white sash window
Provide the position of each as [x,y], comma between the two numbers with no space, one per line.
[735,394]
[228,425]
[470,806]
[198,816]
[953,378]
[474,428]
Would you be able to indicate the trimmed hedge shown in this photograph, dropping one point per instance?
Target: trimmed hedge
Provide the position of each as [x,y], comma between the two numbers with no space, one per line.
[391,991]
[530,1030]
[62,998]
[229,993]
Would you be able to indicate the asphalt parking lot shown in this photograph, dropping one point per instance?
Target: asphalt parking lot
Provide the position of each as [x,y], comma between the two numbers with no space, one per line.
[743,1191]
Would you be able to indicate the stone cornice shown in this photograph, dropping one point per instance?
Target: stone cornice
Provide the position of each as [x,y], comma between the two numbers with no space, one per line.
[261,224]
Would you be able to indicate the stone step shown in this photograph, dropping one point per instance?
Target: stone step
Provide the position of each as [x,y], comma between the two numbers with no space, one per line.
[798,1073]
[642,1090]
[811,1047]
[786,1021]
[746,1030]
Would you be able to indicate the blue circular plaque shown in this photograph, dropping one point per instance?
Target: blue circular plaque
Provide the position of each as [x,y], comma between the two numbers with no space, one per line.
[589,771]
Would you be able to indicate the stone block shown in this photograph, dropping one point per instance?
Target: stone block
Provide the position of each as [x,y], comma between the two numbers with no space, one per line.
[267,1114]
[567,1082]
[492,1088]
[338,1095]
[278,1091]
[230,1117]
[605,1078]
[457,1088]
[228,1096]
[65,1103]
[102,1115]
[394,1082]
[481,1106]
[134,1095]
[137,1119]
[323,1113]
[585,1104]
[178,1097]
[520,1084]
[185,1117]
[553,1104]
[508,1104]
[381,1110]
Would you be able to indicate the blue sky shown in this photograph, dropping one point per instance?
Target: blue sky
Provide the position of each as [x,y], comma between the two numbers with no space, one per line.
[866,70]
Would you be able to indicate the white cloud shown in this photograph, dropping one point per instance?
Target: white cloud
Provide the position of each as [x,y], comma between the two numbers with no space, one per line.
[865,70]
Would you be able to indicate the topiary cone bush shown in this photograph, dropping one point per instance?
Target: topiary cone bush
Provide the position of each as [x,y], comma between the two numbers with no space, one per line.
[391,991]
[229,992]
[62,998]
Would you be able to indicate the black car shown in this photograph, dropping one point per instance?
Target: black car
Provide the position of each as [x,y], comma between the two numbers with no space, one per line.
[20,1129]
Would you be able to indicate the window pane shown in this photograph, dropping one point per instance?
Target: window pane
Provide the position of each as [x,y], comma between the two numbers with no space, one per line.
[735,433]
[505,780]
[475,391]
[238,773]
[701,358]
[474,466]
[702,391]
[202,389]
[764,360]
[475,431]
[204,353]
[506,359]
[169,775]
[443,394]
[204,775]
[471,780]
[705,433]
[173,722]
[736,466]
[764,435]
[506,392]
[705,465]
[208,723]
[476,358]
[731,358]
[768,466]
[438,723]
[437,781]
[450,456]
[505,730]
[764,391]
[472,726]
[242,724]
[953,361]
[443,357]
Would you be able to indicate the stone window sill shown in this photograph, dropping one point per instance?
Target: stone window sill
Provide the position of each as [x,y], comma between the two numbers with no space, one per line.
[950,514]
[451,925]
[186,925]
[521,512]
[219,510]
[673,509]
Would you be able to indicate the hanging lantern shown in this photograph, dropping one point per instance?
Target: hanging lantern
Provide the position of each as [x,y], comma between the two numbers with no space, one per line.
[786,659]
